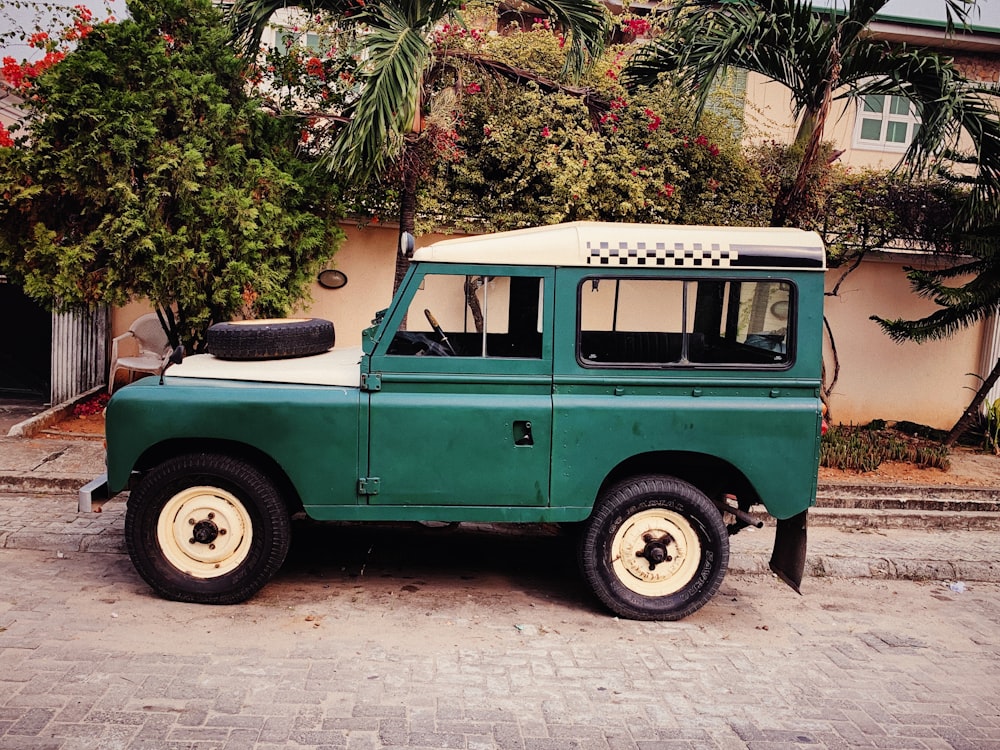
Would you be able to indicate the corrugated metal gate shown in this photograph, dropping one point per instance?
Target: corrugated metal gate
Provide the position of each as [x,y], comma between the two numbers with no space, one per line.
[79,352]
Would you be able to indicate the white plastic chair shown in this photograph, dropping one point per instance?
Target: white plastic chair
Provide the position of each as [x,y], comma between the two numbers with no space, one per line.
[151,342]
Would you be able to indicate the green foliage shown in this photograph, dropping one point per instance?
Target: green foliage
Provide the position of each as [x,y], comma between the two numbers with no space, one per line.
[866,448]
[150,173]
[524,156]
[992,431]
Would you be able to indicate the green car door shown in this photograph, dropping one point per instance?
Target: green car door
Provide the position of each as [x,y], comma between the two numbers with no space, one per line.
[460,396]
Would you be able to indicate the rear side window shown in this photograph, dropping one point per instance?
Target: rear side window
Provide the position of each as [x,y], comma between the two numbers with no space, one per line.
[664,322]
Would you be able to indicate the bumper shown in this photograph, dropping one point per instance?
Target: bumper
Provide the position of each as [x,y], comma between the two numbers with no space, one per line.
[95,491]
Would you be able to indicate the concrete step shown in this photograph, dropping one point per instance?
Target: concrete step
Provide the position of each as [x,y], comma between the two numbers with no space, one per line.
[909,498]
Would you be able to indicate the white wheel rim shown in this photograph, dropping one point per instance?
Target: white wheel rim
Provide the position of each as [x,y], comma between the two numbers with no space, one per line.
[670,532]
[205,532]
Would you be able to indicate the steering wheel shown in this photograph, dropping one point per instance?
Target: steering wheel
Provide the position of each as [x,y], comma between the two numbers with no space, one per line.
[441,334]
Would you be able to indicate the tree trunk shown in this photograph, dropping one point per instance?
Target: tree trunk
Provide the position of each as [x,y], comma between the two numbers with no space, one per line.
[968,416]
[407,214]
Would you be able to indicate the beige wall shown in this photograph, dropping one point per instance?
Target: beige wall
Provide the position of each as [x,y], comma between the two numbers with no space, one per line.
[924,383]
[368,258]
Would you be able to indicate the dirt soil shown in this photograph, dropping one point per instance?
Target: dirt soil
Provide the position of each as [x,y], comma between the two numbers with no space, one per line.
[969,468]
[90,427]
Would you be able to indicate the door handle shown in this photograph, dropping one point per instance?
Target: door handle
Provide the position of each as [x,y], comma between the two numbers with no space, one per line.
[522,433]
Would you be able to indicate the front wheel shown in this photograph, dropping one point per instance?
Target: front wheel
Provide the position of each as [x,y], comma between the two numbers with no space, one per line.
[655,548]
[207,529]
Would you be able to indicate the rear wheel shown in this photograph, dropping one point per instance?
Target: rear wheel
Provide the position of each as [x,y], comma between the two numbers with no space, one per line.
[208,529]
[655,548]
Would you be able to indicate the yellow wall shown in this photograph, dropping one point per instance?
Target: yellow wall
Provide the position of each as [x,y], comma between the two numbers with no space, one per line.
[924,383]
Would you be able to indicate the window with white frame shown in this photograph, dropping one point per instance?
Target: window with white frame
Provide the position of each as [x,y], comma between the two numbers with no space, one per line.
[885,122]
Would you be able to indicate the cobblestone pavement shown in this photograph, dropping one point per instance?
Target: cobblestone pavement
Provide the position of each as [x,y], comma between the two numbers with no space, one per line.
[403,638]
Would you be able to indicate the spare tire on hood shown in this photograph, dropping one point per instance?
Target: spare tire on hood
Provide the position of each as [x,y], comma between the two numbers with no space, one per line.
[273,338]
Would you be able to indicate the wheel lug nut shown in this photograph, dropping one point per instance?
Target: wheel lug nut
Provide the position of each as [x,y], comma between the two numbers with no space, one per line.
[221,532]
[211,546]
[191,522]
[192,540]
[211,516]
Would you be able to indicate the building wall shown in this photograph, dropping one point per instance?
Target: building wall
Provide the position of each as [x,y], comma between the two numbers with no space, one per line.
[926,383]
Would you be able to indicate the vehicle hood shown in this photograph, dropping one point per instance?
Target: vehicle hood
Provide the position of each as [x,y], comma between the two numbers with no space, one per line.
[341,367]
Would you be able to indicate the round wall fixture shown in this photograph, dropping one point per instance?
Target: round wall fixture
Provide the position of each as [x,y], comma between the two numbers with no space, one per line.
[778,309]
[332,279]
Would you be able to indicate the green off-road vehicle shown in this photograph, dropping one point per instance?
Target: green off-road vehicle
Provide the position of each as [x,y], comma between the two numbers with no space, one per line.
[647,384]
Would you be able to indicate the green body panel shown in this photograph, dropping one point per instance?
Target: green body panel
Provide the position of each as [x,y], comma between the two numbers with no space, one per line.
[772,441]
[310,432]
[456,446]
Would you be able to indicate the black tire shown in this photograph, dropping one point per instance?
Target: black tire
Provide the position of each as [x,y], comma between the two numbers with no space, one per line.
[243,529]
[633,526]
[277,338]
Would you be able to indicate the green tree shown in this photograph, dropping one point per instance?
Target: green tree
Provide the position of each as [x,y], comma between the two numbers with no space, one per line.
[401,63]
[819,56]
[148,172]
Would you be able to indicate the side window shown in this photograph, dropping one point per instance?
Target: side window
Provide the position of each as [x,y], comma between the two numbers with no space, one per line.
[454,315]
[663,322]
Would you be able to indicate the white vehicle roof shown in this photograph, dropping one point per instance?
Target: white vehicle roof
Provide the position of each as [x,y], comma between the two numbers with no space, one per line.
[608,244]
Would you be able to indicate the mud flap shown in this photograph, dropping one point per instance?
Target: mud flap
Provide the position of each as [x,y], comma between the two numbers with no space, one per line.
[788,560]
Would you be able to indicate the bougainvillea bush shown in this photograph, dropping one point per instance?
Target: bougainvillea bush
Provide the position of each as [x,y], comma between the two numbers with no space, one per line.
[524,155]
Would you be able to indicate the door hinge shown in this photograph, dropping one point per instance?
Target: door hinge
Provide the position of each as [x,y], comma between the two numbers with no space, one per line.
[371,381]
[368,486]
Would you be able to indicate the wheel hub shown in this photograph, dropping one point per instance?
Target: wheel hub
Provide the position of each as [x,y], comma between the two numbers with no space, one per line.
[655,551]
[205,532]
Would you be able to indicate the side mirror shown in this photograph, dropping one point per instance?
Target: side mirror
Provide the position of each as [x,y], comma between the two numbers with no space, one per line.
[175,358]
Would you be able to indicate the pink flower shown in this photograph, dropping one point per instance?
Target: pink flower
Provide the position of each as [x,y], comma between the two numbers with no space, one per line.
[546,133]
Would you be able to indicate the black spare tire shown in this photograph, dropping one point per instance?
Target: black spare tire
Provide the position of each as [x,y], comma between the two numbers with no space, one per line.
[273,338]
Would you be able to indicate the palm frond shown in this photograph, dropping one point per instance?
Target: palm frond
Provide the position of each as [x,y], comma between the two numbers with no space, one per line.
[588,25]
[398,54]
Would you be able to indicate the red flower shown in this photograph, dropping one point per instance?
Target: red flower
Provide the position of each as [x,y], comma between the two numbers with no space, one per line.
[5,140]
[473,88]
[546,133]
[314,67]
[637,26]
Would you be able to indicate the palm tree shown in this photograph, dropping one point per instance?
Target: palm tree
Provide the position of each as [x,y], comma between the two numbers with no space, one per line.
[819,56]
[383,123]
[977,293]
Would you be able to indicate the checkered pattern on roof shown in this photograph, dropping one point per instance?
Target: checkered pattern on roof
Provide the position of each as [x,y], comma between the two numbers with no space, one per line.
[697,255]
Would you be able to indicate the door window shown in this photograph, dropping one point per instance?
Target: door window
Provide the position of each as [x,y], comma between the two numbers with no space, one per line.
[454,315]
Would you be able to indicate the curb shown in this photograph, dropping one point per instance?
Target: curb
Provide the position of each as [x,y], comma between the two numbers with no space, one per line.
[32,426]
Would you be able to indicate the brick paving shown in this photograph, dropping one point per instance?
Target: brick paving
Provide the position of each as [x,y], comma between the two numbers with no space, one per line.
[401,638]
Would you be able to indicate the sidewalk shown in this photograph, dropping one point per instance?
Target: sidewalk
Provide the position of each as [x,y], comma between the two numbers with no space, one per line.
[857,530]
